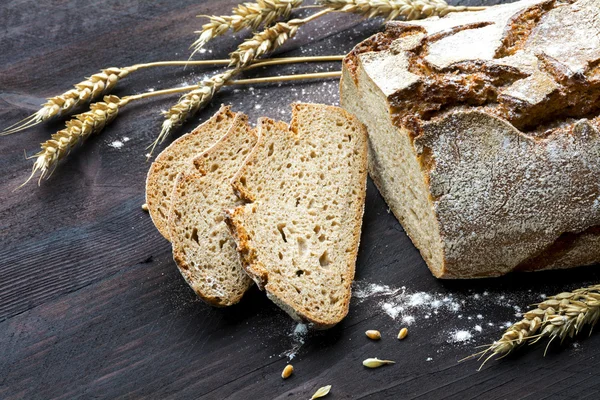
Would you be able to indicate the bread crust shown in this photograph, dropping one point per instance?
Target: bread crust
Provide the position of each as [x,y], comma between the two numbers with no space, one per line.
[527,107]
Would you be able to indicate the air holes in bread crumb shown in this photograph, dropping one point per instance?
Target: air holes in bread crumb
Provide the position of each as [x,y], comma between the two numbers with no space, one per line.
[214,167]
[270,153]
[324,259]
[195,236]
[281,232]
[299,272]
[302,247]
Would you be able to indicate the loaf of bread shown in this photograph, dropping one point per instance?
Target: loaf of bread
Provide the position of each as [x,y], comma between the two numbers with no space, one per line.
[298,237]
[177,158]
[484,134]
[202,246]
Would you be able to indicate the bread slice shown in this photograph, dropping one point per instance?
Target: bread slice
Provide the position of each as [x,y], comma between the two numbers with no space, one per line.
[202,246]
[299,237]
[178,158]
[484,134]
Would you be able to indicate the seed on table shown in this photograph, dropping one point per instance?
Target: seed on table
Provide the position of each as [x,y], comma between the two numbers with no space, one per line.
[287,371]
[403,333]
[145,207]
[373,334]
[376,362]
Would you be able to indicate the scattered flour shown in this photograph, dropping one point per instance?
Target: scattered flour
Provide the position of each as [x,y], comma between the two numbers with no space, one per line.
[298,336]
[460,336]
[410,308]
[117,144]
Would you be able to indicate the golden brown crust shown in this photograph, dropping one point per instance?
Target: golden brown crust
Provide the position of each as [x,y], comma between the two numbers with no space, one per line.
[505,199]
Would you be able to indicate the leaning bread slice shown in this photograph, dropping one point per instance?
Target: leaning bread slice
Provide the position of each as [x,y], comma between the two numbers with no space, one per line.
[202,247]
[299,237]
[178,158]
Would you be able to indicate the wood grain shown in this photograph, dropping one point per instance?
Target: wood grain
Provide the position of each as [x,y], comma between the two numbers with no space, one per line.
[91,305]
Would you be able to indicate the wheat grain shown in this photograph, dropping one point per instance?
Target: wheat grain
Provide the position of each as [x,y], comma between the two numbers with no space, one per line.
[373,334]
[392,9]
[403,333]
[558,317]
[247,15]
[322,392]
[376,362]
[77,130]
[287,371]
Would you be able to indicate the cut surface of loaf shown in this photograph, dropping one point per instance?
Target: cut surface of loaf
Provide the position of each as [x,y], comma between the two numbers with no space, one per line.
[484,134]
[298,238]
[176,158]
[203,249]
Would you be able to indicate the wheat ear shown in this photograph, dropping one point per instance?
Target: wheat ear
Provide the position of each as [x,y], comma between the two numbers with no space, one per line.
[190,103]
[241,59]
[82,126]
[392,9]
[558,317]
[77,130]
[85,91]
[247,15]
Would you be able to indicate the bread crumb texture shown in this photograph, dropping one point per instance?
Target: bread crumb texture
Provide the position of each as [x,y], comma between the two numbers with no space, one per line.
[484,134]
[298,237]
[177,158]
[204,251]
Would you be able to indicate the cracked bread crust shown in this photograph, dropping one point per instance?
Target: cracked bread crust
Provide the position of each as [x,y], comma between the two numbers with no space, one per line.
[496,114]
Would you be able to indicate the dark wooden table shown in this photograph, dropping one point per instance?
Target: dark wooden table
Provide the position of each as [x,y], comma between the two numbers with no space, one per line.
[92,306]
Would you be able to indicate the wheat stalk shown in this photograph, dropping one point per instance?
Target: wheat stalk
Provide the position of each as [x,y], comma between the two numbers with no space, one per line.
[241,59]
[392,9]
[102,113]
[247,15]
[558,317]
[103,82]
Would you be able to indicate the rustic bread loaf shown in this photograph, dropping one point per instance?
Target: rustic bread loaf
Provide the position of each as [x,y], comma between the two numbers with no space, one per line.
[299,237]
[176,158]
[203,249]
[484,134]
